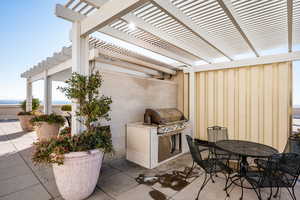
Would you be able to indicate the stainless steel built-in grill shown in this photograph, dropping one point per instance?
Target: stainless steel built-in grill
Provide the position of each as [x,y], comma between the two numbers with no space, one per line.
[170,122]
[159,138]
[167,120]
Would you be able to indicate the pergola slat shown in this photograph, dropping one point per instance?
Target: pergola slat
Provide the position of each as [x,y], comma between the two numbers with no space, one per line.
[186,22]
[157,32]
[229,13]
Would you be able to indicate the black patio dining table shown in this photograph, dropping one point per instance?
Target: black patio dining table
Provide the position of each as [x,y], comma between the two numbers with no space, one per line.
[245,149]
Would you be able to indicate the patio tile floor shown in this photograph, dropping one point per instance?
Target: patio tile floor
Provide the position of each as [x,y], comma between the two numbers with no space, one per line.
[20,179]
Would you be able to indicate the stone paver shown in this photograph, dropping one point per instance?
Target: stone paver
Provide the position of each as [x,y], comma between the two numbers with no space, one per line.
[21,179]
[17,183]
[117,184]
[34,192]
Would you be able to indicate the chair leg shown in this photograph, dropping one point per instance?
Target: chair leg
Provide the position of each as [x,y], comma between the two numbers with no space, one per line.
[232,180]
[276,194]
[211,177]
[227,179]
[293,190]
[258,194]
[242,195]
[190,171]
[292,193]
[202,186]
[206,180]
[271,192]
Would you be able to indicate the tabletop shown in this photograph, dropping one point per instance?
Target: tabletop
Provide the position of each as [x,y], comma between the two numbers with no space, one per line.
[246,148]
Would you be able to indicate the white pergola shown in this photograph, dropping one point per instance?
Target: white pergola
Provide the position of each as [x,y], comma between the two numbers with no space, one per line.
[199,35]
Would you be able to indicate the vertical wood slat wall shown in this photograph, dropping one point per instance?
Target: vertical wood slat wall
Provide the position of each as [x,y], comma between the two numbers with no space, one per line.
[254,102]
[183,92]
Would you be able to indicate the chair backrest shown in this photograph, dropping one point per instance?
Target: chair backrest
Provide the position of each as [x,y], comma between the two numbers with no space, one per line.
[292,146]
[216,133]
[198,148]
[287,165]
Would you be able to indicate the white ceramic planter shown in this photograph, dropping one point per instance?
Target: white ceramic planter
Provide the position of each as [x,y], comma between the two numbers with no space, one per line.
[76,179]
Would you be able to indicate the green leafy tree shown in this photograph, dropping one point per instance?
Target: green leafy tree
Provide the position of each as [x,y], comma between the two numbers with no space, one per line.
[85,91]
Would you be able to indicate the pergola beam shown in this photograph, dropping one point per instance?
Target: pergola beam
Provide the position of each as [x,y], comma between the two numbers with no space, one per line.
[135,61]
[107,13]
[95,3]
[67,14]
[229,11]
[126,65]
[61,57]
[290,24]
[164,36]
[251,62]
[185,21]
[140,43]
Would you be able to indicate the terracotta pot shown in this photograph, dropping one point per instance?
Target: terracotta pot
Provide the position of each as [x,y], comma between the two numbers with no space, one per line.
[76,179]
[25,122]
[46,131]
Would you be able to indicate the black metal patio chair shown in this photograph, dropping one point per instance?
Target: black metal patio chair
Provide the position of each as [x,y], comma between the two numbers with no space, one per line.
[292,145]
[200,154]
[279,171]
[217,133]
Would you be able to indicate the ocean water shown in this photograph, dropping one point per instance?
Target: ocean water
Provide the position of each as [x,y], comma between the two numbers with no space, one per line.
[10,102]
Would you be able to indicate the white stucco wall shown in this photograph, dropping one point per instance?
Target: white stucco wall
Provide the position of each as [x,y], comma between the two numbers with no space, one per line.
[131,95]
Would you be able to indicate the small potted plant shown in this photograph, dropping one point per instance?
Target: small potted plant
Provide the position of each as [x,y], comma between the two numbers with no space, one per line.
[77,159]
[47,126]
[25,117]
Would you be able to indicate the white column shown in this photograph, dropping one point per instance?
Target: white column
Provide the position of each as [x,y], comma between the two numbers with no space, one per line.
[80,64]
[192,106]
[28,95]
[47,94]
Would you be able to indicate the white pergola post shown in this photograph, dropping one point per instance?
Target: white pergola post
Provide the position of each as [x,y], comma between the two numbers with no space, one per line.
[28,95]
[80,64]
[192,102]
[47,93]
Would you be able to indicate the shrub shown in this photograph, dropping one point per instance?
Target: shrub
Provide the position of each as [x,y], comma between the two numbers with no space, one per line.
[66,108]
[35,104]
[65,131]
[92,108]
[53,150]
[51,119]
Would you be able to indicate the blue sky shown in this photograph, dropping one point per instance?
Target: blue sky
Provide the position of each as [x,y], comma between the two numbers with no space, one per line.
[30,32]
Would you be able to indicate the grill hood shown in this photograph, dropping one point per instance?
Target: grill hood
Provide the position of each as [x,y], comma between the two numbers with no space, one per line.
[163,116]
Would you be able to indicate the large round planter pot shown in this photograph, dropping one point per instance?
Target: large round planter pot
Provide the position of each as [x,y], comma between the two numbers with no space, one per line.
[25,122]
[76,179]
[46,131]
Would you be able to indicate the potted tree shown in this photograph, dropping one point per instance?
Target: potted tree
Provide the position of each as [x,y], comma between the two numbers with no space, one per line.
[25,117]
[47,126]
[77,159]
